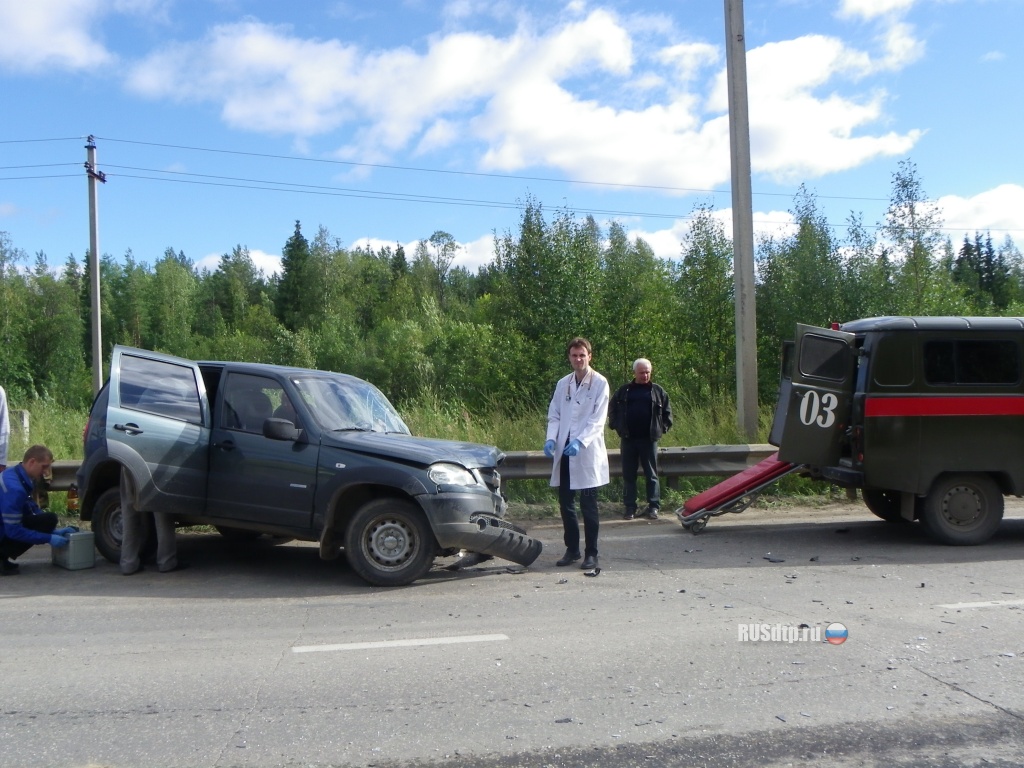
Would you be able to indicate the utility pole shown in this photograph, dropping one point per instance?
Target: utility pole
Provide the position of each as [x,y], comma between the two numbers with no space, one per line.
[94,262]
[742,221]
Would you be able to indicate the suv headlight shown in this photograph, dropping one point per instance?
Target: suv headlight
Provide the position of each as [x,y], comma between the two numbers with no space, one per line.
[451,474]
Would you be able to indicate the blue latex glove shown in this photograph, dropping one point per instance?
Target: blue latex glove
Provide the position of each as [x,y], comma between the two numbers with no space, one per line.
[66,531]
[549,448]
[58,541]
[572,448]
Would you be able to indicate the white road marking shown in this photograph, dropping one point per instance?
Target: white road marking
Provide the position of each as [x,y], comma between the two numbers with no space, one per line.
[412,642]
[983,604]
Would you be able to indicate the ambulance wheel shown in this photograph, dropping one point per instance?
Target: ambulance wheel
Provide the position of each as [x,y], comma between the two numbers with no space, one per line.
[883,504]
[962,509]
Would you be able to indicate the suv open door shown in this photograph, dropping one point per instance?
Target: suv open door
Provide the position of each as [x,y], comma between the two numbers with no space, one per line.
[157,427]
[814,404]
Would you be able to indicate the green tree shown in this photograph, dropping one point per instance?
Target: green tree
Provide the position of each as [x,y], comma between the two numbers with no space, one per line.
[913,227]
[293,303]
[173,293]
[706,318]
[14,303]
[637,305]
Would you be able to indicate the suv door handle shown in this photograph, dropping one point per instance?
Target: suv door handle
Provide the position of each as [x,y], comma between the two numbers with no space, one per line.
[128,429]
[227,445]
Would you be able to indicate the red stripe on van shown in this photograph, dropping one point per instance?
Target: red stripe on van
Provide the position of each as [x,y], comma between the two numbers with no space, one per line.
[966,405]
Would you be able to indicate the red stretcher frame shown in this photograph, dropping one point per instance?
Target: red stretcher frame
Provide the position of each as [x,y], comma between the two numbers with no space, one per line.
[734,494]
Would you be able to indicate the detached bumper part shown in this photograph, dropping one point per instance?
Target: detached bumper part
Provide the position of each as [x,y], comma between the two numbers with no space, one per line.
[473,522]
[501,538]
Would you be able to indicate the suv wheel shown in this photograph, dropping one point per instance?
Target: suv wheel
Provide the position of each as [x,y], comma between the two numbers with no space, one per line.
[108,527]
[962,509]
[389,543]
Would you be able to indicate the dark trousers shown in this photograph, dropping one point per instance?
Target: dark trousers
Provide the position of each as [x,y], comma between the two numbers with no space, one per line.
[567,506]
[44,522]
[644,453]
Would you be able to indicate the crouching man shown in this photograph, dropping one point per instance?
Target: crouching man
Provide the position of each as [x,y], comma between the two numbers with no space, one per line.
[23,523]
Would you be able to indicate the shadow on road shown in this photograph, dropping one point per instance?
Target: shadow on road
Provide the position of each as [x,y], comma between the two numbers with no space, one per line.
[267,568]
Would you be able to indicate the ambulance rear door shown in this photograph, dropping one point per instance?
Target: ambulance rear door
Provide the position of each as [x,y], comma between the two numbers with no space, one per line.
[820,392]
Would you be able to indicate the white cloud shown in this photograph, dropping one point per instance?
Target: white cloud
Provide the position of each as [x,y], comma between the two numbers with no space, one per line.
[870,9]
[668,243]
[576,98]
[268,263]
[51,33]
[59,34]
[471,255]
[999,210]
[796,131]
[475,254]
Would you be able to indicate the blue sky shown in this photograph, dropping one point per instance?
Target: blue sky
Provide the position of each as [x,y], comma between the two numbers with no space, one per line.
[221,122]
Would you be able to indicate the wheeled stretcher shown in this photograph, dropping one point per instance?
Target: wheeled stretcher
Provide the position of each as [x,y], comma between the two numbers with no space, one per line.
[734,494]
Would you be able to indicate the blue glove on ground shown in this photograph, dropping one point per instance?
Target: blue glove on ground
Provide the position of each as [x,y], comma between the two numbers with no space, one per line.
[549,448]
[66,531]
[58,541]
[573,448]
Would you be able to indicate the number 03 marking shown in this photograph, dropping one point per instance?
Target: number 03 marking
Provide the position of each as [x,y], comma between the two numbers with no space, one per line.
[818,409]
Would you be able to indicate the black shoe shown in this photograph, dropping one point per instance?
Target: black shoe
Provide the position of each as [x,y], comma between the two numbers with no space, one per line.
[589,563]
[652,513]
[568,557]
[9,569]
[180,566]
[630,514]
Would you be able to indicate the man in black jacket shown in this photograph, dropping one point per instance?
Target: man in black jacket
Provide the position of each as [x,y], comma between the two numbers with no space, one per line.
[640,412]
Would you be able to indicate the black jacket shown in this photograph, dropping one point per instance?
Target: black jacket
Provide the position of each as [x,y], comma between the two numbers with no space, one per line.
[661,412]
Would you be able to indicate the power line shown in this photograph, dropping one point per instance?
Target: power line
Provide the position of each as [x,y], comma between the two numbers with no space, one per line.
[300,188]
[505,176]
[284,186]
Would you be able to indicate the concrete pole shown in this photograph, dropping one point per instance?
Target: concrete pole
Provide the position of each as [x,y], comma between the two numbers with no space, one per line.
[742,222]
[94,264]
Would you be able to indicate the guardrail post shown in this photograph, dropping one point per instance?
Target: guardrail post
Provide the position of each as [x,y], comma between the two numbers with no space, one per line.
[20,421]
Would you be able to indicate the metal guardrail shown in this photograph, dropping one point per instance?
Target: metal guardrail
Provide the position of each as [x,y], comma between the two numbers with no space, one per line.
[673,463]
[63,474]
[722,460]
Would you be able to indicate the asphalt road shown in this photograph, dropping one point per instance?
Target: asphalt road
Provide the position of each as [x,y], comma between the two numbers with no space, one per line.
[262,655]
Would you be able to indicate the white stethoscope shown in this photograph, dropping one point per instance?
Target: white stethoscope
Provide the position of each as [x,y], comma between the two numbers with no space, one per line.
[588,380]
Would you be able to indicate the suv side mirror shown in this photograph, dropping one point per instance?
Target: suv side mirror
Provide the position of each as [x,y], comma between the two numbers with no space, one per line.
[280,429]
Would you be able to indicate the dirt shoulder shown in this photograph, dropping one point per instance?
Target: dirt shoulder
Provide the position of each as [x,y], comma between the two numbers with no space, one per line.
[777,509]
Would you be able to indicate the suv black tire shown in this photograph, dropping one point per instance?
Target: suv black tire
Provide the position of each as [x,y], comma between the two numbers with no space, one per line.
[962,509]
[107,527]
[389,543]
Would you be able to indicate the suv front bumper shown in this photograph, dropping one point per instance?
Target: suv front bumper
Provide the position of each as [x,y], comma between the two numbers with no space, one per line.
[473,522]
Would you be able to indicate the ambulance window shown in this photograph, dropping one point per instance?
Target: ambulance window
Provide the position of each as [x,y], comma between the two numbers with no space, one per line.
[824,358]
[892,363]
[972,362]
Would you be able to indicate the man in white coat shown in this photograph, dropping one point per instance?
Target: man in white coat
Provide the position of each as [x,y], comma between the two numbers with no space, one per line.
[575,440]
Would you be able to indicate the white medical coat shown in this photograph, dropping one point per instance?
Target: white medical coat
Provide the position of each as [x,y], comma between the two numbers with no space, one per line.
[579,413]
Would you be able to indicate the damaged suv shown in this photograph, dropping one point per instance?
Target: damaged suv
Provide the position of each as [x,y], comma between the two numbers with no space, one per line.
[312,455]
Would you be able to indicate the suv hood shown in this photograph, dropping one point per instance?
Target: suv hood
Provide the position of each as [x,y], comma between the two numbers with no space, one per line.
[421,450]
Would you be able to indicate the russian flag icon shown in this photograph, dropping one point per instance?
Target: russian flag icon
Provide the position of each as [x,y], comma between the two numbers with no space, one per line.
[836,633]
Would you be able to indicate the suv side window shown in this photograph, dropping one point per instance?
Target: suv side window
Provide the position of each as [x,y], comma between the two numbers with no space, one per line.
[251,400]
[968,361]
[159,387]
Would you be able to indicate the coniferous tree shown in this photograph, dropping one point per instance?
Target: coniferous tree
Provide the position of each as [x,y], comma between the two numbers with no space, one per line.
[292,305]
